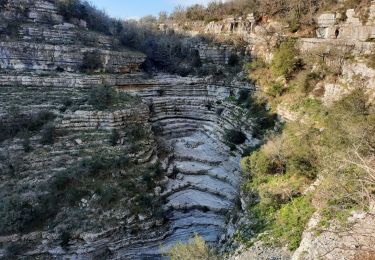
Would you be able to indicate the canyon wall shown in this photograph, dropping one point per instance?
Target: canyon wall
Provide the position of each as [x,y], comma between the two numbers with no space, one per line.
[126,181]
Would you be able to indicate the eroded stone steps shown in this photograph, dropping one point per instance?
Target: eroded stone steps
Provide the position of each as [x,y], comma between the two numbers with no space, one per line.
[202,183]
[185,225]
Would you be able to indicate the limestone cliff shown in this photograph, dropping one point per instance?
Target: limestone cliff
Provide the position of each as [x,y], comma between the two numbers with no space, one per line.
[342,40]
[110,164]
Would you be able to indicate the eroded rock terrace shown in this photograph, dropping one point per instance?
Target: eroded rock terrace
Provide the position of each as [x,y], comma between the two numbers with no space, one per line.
[182,121]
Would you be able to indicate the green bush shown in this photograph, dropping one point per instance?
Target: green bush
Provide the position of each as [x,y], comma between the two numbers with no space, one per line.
[233,136]
[291,221]
[113,139]
[13,250]
[12,29]
[72,195]
[61,181]
[26,145]
[24,123]
[102,97]
[243,96]
[108,195]
[257,164]
[261,164]
[294,24]
[305,81]
[285,60]
[136,133]
[275,89]
[16,215]
[196,60]
[219,111]
[233,60]
[262,118]
[256,63]
[71,9]
[92,61]
[48,135]
[65,237]
[196,248]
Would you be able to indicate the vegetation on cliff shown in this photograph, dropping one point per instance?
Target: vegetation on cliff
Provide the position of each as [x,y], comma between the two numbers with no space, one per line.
[197,248]
[331,146]
[321,159]
[166,51]
[297,14]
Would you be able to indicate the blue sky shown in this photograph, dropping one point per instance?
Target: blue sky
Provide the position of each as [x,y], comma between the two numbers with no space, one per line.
[138,8]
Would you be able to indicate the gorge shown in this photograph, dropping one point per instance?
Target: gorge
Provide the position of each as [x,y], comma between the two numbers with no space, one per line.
[105,156]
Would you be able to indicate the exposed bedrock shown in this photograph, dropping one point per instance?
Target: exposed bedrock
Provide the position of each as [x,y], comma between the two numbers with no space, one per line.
[182,120]
[203,179]
[187,116]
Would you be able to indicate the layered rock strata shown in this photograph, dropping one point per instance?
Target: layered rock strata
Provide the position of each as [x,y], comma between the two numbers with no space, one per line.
[172,124]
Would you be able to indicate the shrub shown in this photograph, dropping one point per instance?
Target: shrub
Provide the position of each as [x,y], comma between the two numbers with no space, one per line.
[219,111]
[234,136]
[233,60]
[92,61]
[243,96]
[102,97]
[306,81]
[195,12]
[257,164]
[294,24]
[371,59]
[48,135]
[195,249]
[114,137]
[161,92]
[71,9]
[16,215]
[291,220]
[255,64]
[26,145]
[275,89]
[143,202]
[60,69]
[108,195]
[285,62]
[14,249]
[72,195]
[136,133]
[196,60]
[64,237]
[60,181]
[25,123]
[12,29]
[39,120]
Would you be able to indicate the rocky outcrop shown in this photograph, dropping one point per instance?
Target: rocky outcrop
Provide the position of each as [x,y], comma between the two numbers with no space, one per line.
[181,122]
[352,241]
[201,183]
[33,56]
[172,124]
[236,26]
[213,54]
[332,27]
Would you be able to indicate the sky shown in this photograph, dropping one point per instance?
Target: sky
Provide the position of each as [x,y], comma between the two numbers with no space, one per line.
[134,9]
